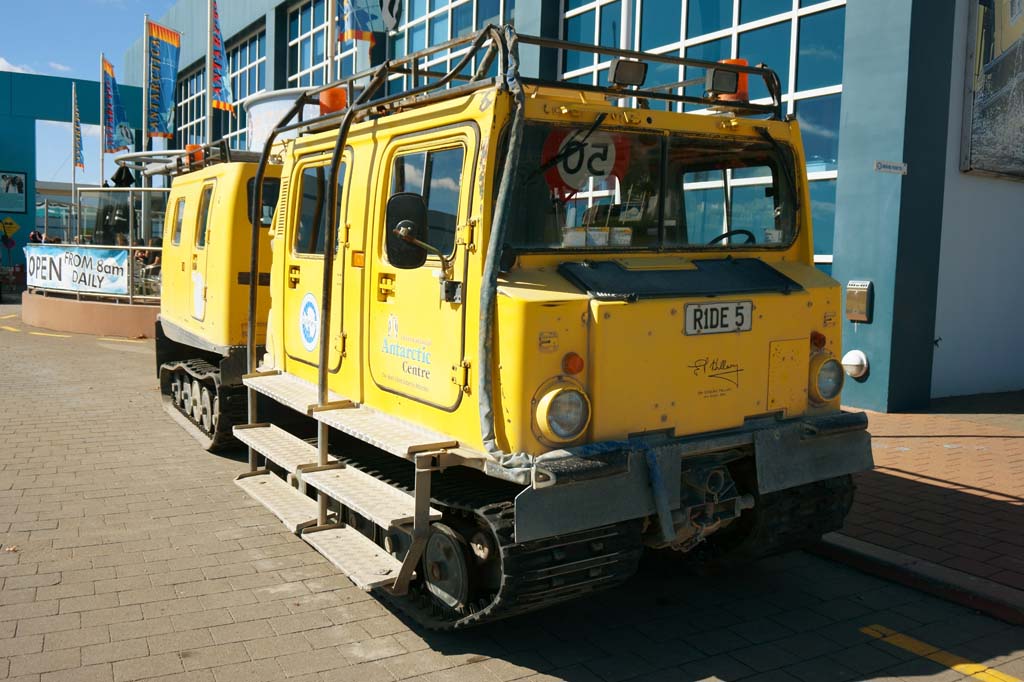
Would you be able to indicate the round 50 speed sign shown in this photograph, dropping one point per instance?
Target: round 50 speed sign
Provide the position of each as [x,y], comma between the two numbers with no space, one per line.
[600,155]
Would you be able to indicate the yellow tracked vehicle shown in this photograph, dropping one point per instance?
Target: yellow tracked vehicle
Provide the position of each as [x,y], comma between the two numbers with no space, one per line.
[521,330]
[201,330]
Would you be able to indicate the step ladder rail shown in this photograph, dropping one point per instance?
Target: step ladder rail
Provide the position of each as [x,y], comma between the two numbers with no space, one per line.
[250,395]
[426,464]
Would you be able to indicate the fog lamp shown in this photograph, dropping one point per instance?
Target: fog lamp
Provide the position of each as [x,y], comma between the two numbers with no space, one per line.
[826,379]
[563,414]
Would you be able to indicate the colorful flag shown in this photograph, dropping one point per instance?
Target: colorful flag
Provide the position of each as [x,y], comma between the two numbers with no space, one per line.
[76,127]
[163,45]
[117,134]
[360,20]
[220,83]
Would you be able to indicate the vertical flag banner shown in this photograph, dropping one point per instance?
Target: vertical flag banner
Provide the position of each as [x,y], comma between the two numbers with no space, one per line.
[220,83]
[76,126]
[117,134]
[360,19]
[164,46]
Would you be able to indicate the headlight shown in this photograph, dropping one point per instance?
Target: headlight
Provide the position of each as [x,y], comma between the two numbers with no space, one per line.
[563,414]
[826,379]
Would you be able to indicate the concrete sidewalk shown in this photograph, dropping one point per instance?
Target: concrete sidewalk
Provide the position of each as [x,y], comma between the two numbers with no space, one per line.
[944,508]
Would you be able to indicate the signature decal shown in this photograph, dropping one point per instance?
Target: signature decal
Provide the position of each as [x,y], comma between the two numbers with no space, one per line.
[717,368]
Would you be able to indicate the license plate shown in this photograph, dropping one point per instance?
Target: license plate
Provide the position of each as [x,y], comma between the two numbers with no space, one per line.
[717,318]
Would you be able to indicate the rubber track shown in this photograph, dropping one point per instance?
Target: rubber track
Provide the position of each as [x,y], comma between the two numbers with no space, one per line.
[536,574]
[231,400]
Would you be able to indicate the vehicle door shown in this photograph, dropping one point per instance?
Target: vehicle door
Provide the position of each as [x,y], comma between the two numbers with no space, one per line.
[175,293]
[199,251]
[417,317]
[305,238]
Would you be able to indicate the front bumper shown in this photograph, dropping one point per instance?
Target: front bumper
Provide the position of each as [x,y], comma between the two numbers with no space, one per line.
[603,483]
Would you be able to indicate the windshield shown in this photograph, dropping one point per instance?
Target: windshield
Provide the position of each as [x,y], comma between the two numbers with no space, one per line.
[589,188]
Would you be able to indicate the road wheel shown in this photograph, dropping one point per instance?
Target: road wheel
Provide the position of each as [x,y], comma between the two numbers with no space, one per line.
[194,409]
[446,566]
[206,410]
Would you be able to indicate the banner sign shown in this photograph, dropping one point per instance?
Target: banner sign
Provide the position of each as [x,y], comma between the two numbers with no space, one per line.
[360,20]
[220,83]
[164,46]
[117,134]
[76,127]
[74,268]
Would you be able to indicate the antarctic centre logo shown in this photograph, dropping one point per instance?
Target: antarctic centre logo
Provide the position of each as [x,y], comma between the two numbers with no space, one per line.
[414,353]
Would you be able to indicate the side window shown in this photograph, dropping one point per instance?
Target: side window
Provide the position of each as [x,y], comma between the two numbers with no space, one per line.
[179,216]
[271,191]
[310,237]
[204,216]
[437,175]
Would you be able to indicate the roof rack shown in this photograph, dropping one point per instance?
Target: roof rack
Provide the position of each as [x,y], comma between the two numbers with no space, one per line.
[173,162]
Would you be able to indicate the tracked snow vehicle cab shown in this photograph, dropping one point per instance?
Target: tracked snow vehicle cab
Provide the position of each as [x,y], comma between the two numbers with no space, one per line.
[201,331]
[529,328]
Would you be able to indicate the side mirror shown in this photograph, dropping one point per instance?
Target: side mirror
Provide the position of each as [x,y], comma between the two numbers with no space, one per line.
[405,227]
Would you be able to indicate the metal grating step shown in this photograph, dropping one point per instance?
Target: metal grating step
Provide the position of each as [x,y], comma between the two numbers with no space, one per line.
[277,445]
[376,500]
[294,509]
[290,390]
[358,557]
[388,433]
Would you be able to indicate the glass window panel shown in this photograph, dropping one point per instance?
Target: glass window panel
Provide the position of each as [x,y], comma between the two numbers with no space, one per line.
[417,8]
[408,175]
[179,216]
[659,73]
[253,46]
[754,211]
[397,45]
[437,4]
[318,47]
[252,81]
[823,214]
[293,59]
[711,51]
[659,23]
[304,48]
[417,37]
[305,18]
[204,216]
[263,44]
[510,11]
[705,212]
[819,127]
[820,49]
[573,4]
[318,76]
[768,45]
[439,30]
[611,20]
[488,12]
[293,26]
[318,13]
[579,29]
[462,20]
[443,199]
[752,10]
[705,16]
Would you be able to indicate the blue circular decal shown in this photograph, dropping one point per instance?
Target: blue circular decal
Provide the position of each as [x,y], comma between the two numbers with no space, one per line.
[309,322]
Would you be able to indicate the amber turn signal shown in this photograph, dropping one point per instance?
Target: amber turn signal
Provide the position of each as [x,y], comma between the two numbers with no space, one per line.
[572,363]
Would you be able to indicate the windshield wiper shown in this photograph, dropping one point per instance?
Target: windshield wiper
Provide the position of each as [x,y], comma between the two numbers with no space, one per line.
[572,145]
[787,167]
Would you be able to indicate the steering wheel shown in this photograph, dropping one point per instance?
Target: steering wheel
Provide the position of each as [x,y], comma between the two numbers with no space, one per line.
[751,239]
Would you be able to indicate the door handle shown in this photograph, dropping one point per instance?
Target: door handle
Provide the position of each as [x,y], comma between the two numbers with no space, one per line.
[385,286]
[195,261]
[293,276]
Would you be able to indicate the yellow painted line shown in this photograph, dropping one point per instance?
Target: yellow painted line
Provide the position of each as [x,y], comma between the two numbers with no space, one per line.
[110,338]
[7,317]
[56,336]
[978,671]
[8,329]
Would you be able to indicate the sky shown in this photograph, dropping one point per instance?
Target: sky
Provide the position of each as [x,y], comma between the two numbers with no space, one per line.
[65,38]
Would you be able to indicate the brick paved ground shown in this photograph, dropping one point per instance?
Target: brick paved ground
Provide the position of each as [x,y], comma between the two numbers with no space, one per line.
[129,554]
[948,486]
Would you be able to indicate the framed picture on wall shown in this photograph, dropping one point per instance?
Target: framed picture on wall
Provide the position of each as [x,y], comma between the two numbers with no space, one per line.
[12,192]
[992,139]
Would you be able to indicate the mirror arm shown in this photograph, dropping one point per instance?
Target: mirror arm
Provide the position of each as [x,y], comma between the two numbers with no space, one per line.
[447,264]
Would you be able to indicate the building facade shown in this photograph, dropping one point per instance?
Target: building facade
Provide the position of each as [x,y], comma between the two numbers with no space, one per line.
[872,82]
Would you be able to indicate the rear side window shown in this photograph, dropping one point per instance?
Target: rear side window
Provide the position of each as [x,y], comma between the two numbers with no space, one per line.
[179,216]
[271,190]
[204,216]
[312,232]
[437,175]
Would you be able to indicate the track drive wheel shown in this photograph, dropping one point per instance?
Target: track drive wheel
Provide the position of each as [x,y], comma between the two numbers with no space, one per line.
[446,567]
[206,409]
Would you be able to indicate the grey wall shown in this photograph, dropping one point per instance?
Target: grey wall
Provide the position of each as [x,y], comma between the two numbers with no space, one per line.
[979,314]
